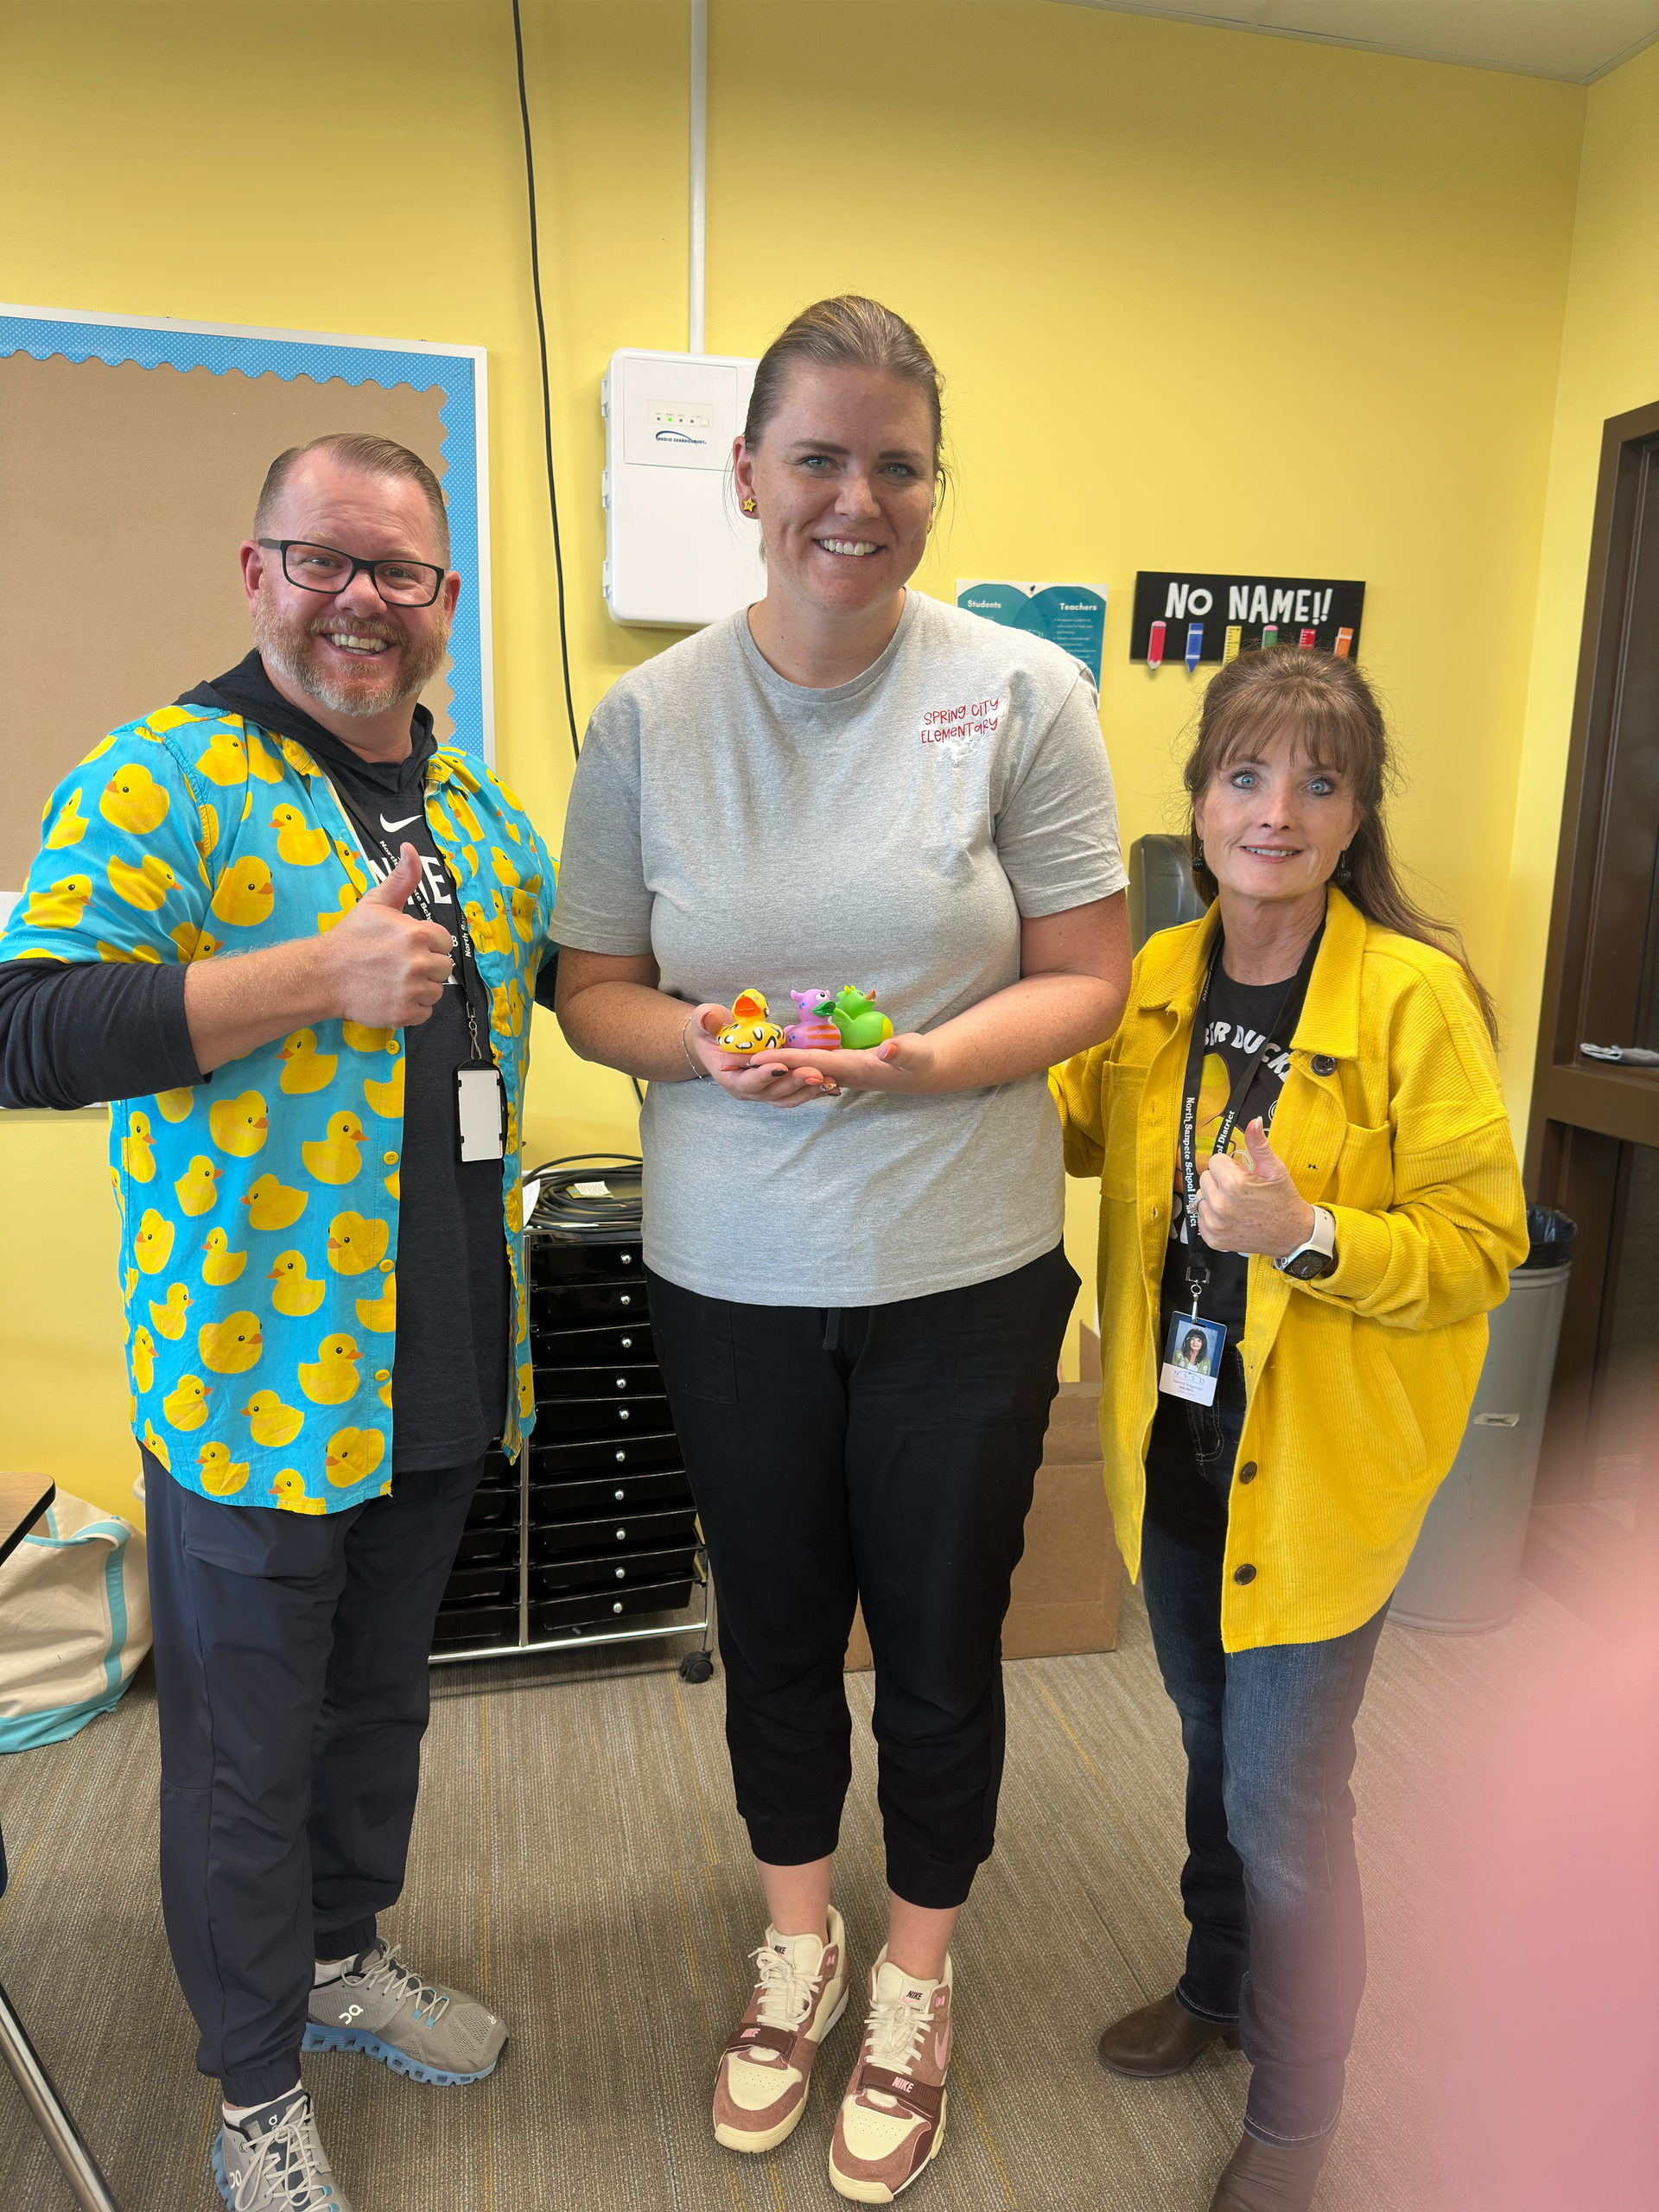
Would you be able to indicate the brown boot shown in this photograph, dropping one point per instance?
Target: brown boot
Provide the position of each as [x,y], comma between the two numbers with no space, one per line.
[1160,2039]
[1271,2176]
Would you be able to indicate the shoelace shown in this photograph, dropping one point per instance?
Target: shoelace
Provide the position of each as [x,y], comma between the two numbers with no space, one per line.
[894,2028]
[290,2156]
[786,1993]
[389,1972]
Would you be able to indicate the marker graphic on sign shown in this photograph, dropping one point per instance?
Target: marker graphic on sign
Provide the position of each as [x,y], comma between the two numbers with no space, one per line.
[1194,646]
[1155,646]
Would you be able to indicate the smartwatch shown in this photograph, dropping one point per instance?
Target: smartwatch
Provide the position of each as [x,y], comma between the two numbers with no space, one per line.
[1317,1256]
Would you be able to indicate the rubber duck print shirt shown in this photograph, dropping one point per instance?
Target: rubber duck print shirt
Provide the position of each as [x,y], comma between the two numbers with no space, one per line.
[260,1209]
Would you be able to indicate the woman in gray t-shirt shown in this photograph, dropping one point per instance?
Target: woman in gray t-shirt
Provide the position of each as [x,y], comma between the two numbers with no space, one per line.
[858,1289]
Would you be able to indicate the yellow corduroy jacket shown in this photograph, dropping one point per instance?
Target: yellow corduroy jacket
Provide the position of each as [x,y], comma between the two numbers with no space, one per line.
[1359,1385]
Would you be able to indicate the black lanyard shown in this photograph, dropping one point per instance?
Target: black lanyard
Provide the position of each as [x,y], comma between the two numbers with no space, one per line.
[1197,1275]
[459,936]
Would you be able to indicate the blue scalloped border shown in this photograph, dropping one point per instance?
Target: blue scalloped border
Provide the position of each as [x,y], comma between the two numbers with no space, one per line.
[151,345]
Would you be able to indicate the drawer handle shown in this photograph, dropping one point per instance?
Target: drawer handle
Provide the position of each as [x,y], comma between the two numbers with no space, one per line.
[616,1607]
[621,1573]
[621,1382]
[622,1413]
[619,1495]
[627,1344]
[625,1299]
[621,1533]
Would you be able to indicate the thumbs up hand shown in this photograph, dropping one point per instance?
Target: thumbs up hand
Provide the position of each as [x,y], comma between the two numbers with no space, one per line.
[387,969]
[1254,1209]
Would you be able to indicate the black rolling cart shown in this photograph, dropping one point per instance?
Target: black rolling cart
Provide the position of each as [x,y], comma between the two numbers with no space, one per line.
[593,1538]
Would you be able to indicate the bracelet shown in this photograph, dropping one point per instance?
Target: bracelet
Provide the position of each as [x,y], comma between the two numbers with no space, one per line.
[701,1074]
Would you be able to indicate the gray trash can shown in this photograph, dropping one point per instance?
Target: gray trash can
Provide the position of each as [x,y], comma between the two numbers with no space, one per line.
[1463,1577]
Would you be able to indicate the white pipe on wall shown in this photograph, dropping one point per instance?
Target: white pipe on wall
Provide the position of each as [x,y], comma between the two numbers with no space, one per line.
[699,168]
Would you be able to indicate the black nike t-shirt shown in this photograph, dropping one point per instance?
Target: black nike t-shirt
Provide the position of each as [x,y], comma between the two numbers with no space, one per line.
[1235,1017]
[449,1372]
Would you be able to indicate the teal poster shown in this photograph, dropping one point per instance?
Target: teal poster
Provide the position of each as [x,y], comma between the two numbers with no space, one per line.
[1071,615]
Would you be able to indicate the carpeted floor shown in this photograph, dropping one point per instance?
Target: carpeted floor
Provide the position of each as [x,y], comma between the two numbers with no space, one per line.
[578,1859]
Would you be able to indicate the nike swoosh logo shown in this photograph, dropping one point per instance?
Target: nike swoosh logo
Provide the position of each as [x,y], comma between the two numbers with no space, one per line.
[403,824]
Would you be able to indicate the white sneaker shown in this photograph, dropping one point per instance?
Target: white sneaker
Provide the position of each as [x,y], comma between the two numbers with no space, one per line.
[891,2125]
[766,2069]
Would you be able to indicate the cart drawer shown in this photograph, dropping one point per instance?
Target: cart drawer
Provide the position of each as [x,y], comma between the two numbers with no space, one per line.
[583,1420]
[622,1532]
[571,1575]
[600,1608]
[644,1448]
[628,1344]
[584,1501]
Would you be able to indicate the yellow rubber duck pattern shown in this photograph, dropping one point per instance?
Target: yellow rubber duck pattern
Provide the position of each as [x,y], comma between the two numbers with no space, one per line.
[259,1218]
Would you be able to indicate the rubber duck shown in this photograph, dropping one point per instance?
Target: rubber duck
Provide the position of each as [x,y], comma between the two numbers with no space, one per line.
[507,1009]
[71,825]
[305,1068]
[326,921]
[387,1098]
[186,1407]
[60,908]
[231,1346]
[296,1293]
[143,1360]
[380,1314]
[195,1188]
[334,1157]
[208,815]
[270,1422]
[814,1032]
[145,886]
[290,1486]
[272,1205]
[353,1456]
[461,810]
[260,763]
[157,1447]
[246,893]
[134,955]
[860,1021]
[349,860]
[749,1031]
[487,930]
[221,1265]
[523,912]
[296,844]
[153,1245]
[526,1391]
[383,1378]
[393,1182]
[168,1316]
[331,1377]
[368,1040]
[505,871]
[226,760]
[240,1125]
[194,944]
[356,1245]
[132,799]
[136,1156]
[175,1104]
[219,1477]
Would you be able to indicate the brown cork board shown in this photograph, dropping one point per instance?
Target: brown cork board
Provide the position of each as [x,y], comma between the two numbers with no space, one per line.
[124,492]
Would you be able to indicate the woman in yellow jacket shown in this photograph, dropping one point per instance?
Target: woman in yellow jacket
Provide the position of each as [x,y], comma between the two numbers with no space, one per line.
[1340,1261]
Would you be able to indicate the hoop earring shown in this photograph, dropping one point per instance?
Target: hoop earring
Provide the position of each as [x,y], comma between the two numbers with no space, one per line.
[749,506]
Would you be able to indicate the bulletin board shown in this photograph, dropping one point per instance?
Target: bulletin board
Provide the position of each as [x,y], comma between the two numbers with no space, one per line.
[131,453]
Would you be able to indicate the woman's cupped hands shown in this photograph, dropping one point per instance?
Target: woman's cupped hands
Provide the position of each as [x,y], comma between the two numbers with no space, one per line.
[784,1076]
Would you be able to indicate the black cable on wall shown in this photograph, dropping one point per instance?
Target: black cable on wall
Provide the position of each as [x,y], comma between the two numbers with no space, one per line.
[547,395]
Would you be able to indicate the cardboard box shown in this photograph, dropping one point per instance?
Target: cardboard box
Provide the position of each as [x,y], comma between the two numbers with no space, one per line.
[1067,1585]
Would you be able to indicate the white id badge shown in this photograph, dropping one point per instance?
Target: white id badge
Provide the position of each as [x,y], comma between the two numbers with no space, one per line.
[480,1113]
[1192,1353]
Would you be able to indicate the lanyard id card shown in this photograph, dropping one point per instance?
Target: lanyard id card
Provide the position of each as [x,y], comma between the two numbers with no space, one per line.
[480,1095]
[1192,1352]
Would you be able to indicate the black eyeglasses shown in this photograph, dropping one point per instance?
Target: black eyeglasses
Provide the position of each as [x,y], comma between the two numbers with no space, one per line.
[326,570]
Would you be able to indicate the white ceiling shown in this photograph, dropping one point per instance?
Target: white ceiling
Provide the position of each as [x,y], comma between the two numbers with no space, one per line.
[1575,39]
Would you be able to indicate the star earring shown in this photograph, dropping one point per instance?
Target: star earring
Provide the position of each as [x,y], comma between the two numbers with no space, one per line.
[748,506]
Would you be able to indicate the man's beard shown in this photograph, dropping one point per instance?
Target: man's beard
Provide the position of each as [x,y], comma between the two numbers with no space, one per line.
[286,645]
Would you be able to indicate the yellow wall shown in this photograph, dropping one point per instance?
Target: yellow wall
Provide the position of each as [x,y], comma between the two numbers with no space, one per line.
[1610,364]
[1201,298]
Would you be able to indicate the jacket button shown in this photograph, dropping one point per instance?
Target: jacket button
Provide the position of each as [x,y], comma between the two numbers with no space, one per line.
[1244,1575]
[1323,1064]
[1247,1473]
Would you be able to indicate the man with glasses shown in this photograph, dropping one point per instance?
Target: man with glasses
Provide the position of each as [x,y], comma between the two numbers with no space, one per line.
[315,1149]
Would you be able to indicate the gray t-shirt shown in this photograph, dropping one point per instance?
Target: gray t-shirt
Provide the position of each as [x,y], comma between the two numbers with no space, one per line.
[888,833]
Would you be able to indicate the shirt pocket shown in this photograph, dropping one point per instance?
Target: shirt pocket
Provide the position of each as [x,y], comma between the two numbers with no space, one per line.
[1366,1169]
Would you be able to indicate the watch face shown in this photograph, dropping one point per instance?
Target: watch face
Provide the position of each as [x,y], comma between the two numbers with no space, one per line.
[1307,1266]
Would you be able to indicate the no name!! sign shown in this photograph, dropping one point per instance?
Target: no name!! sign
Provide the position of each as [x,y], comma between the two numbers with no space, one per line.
[1207,616]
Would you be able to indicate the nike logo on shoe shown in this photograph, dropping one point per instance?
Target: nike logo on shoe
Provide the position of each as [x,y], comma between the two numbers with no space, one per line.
[403,824]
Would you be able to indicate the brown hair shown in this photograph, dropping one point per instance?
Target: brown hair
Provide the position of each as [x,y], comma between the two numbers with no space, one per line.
[375,457]
[849,331]
[1325,701]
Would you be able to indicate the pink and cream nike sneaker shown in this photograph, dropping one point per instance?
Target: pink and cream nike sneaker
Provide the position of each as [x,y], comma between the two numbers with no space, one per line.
[891,2123]
[766,2069]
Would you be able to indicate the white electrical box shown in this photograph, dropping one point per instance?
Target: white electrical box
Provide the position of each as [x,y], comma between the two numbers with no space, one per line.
[677,552]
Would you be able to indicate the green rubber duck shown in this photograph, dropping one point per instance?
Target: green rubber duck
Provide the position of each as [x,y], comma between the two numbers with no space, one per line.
[860,1021]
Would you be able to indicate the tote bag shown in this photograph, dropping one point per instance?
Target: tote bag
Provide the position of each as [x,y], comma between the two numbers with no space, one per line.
[75,1623]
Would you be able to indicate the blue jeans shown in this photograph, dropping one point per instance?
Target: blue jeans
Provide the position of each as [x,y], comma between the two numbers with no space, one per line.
[1271,1885]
